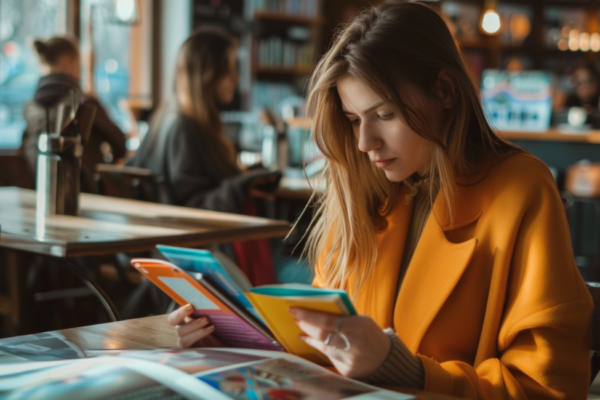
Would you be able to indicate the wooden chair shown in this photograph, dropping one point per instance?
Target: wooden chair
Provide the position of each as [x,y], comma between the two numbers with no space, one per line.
[594,289]
[129,183]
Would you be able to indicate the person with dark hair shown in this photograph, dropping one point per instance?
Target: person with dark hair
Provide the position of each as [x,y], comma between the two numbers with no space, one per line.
[60,57]
[452,242]
[186,144]
[585,81]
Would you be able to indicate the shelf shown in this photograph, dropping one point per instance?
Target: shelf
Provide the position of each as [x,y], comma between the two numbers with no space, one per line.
[553,135]
[262,69]
[288,18]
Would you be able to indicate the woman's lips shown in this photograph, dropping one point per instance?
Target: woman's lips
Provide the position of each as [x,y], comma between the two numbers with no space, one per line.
[384,163]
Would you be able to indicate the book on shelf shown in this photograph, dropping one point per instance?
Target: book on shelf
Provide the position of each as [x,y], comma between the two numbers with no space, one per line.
[305,8]
[211,374]
[270,95]
[243,316]
[275,52]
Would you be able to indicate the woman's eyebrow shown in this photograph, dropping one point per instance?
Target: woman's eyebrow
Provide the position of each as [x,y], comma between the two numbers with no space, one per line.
[374,106]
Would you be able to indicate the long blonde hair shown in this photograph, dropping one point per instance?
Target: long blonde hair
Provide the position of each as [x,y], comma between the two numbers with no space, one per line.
[203,60]
[388,46]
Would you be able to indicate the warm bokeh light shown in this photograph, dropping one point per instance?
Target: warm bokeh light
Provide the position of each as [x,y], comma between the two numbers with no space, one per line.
[584,41]
[574,40]
[490,22]
[595,41]
[563,44]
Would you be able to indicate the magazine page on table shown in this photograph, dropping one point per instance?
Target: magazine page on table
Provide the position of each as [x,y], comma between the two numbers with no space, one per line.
[244,374]
[284,376]
[183,374]
[106,377]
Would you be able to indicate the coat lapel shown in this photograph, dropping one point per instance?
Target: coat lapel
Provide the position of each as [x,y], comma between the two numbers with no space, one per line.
[436,267]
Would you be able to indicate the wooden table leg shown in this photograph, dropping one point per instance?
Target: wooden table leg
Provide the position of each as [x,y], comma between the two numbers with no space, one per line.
[10,304]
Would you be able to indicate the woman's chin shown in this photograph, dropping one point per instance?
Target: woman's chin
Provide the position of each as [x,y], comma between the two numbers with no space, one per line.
[395,176]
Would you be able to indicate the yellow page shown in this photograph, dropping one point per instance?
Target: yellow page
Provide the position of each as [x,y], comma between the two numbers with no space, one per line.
[274,311]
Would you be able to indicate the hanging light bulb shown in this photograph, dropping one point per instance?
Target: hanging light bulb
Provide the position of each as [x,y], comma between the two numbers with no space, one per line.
[490,21]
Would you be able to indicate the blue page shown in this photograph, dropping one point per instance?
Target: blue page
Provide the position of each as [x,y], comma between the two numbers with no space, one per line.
[302,290]
[204,262]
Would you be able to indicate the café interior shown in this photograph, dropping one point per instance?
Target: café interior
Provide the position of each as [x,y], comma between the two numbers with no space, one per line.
[71,222]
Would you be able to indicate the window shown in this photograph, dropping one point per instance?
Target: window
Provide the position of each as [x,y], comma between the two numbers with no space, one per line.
[21,22]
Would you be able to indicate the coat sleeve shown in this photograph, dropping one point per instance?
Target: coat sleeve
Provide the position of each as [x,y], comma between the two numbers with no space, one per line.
[543,341]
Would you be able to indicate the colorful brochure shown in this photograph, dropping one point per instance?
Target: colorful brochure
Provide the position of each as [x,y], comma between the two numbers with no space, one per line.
[269,304]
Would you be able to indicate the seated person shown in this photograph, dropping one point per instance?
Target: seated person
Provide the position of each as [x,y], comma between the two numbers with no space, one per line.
[585,81]
[186,143]
[61,58]
[452,242]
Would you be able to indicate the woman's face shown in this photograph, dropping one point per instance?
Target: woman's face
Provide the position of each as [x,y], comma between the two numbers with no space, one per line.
[391,144]
[225,87]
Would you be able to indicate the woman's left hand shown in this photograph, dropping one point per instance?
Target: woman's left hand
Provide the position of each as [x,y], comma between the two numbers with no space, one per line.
[366,348]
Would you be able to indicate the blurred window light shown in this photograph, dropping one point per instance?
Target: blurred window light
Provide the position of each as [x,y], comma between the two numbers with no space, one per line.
[125,11]
[111,66]
[584,41]
[490,22]
[595,41]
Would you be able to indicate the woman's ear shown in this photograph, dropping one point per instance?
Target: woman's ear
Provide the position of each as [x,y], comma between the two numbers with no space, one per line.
[445,89]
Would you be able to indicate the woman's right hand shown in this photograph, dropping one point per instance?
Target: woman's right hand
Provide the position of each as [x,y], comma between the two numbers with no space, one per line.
[192,332]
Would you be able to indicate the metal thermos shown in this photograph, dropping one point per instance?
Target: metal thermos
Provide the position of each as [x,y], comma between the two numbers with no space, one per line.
[270,148]
[58,174]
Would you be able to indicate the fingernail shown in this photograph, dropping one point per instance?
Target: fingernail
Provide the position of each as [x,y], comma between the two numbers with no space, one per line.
[302,337]
[210,328]
[189,307]
[292,311]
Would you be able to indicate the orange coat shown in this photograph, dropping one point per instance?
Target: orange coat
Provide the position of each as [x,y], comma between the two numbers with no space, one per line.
[493,304]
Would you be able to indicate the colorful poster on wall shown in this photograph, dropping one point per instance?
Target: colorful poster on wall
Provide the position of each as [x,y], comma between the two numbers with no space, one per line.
[517,101]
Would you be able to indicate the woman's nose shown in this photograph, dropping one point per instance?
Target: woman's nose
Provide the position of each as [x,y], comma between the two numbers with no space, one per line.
[368,139]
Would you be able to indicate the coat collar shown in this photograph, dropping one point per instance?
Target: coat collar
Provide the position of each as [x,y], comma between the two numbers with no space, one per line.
[466,205]
[436,266]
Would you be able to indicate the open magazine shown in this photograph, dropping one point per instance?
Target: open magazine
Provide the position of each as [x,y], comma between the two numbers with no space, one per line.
[243,316]
[173,374]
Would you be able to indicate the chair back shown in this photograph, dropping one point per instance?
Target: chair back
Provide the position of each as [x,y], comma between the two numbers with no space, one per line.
[129,183]
[594,289]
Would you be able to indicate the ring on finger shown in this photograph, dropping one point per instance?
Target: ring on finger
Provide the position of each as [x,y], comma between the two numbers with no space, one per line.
[346,341]
[328,339]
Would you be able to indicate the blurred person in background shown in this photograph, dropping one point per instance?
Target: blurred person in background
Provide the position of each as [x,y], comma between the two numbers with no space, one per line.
[585,81]
[186,143]
[187,146]
[61,62]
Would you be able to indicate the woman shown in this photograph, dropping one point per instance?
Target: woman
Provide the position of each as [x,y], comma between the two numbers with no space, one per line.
[60,57]
[186,144]
[452,242]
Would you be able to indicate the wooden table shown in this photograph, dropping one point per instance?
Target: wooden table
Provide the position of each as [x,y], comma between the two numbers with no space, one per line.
[108,225]
[153,332]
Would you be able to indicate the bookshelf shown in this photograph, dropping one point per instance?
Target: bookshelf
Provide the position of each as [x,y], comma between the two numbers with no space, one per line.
[280,41]
[285,45]
[535,34]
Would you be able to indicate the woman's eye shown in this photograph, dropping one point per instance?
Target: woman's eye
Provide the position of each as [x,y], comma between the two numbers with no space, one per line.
[355,121]
[387,116]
